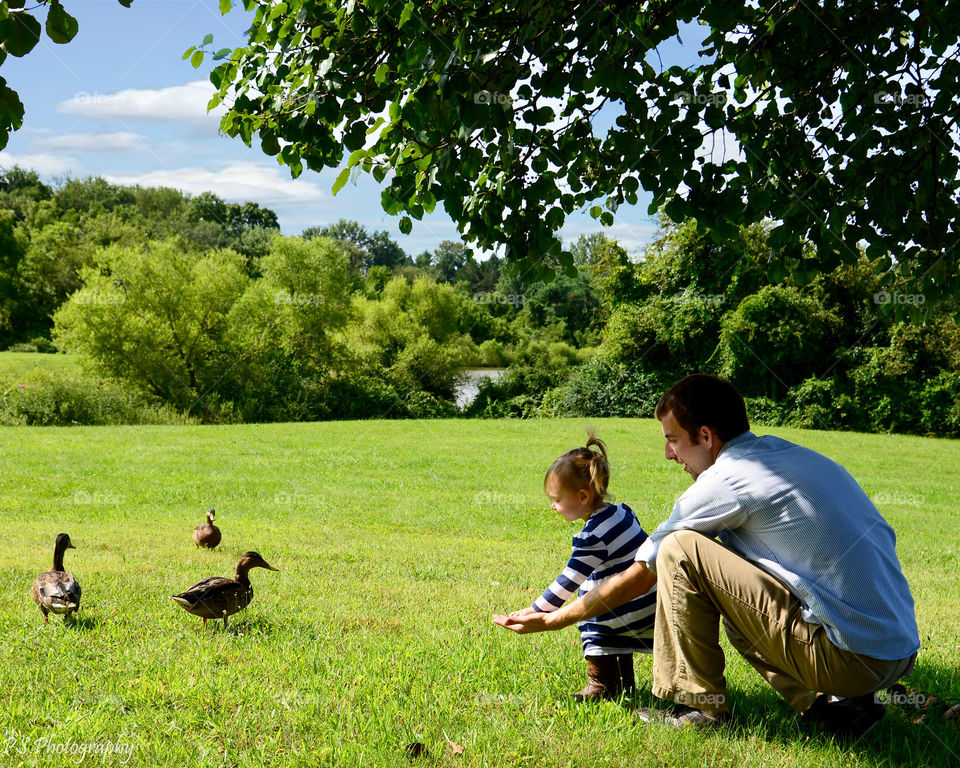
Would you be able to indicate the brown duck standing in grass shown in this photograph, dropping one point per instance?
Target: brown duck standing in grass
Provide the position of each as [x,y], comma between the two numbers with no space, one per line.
[207,535]
[217,598]
[56,590]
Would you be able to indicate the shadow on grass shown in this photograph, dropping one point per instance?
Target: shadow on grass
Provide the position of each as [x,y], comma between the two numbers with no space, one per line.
[81,622]
[906,736]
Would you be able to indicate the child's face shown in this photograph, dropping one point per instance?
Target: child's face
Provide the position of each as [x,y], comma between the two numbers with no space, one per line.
[570,505]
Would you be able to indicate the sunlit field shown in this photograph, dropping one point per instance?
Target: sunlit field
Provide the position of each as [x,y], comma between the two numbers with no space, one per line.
[395,542]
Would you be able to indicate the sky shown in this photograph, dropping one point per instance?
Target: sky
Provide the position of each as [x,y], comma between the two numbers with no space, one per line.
[120,102]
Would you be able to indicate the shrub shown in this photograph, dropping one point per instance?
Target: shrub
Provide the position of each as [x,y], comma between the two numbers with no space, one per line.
[67,402]
[604,388]
[819,404]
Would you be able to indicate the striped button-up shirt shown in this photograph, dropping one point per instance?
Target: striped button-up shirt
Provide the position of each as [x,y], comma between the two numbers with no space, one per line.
[804,519]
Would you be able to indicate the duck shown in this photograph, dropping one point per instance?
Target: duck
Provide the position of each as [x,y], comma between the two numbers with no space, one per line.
[217,597]
[207,535]
[56,591]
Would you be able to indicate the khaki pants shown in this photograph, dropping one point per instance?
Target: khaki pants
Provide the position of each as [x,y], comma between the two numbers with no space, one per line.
[699,581]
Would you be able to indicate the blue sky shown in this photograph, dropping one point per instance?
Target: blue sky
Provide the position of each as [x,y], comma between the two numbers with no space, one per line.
[119,102]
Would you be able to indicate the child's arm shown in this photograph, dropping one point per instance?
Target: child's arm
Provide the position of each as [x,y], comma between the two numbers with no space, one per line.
[612,593]
[588,554]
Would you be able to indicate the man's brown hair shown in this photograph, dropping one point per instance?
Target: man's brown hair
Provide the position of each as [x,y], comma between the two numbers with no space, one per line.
[701,400]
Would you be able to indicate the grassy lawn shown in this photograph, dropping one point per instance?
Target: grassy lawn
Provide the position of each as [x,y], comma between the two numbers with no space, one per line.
[395,542]
[30,367]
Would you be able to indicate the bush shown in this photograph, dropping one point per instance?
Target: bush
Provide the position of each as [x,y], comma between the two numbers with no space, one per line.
[940,405]
[603,388]
[516,394]
[67,402]
[763,410]
[819,404]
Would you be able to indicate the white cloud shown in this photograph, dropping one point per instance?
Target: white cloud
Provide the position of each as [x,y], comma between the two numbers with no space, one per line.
[186,103]
[43,163]
[96,141]
[238,181]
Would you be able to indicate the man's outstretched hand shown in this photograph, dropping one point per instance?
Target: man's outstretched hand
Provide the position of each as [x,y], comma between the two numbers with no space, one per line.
[523,621]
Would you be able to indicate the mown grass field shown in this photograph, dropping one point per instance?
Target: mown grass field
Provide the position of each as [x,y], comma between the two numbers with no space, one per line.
[29,367]
[395,541]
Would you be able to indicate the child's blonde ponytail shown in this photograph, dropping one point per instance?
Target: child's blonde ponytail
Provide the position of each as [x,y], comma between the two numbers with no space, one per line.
[584,468]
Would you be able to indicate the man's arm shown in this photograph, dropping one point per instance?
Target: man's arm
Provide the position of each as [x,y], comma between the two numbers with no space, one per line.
[612,593]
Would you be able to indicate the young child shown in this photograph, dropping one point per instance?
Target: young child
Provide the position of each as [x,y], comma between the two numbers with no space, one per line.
[577,486]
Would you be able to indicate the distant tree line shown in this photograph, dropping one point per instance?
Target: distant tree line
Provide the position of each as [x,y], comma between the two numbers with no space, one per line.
[202,308]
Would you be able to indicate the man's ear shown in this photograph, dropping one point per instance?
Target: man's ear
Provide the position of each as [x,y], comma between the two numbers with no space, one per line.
[707,436]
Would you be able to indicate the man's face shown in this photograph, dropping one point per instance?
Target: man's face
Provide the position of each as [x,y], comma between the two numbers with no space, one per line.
[695,455]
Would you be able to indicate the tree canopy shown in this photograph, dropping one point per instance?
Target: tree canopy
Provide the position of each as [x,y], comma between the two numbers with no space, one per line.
[837,121]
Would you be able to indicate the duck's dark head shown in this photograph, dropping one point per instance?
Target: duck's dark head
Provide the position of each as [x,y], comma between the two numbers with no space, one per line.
[61,545]
[253,560]
[211,515]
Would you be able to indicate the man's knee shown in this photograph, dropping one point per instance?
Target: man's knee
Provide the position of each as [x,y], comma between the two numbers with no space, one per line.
[676,547]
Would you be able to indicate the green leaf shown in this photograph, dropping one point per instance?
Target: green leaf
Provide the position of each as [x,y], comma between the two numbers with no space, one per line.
[406,13]
[269,144]
[207,39]
[380,76]
[19,33]
[222,54]
[406,226]
[197,59]
[226,6]
[341,180]
[61,26]
[187,53]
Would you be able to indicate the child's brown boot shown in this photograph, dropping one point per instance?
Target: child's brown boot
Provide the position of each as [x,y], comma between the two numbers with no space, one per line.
[603,679]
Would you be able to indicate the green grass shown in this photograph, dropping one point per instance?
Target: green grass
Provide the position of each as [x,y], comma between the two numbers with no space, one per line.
[395,541]
[30,367]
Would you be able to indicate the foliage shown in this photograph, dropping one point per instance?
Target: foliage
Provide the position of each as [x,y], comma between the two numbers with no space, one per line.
[58,401]
[489,109]
[48,233]
[376,249]
[157,316]
[773,339]
[602,388]
[412,332]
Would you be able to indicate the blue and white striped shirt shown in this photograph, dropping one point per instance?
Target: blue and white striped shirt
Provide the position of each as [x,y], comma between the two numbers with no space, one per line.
[804,519]
[606,546]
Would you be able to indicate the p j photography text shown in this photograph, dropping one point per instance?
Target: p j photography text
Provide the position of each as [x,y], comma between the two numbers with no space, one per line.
[107,752]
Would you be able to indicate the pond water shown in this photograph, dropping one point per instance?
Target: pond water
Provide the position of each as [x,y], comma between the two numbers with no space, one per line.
[470,385]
